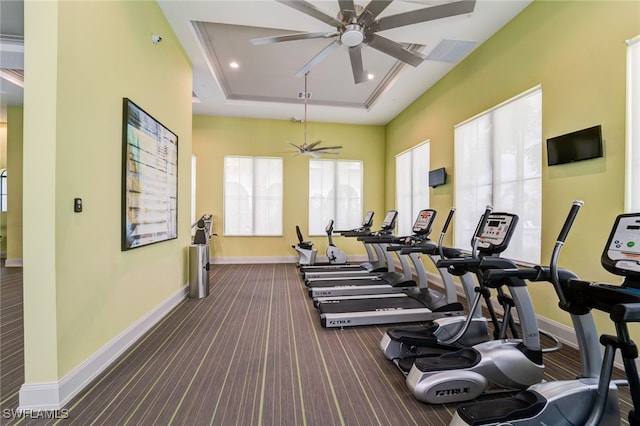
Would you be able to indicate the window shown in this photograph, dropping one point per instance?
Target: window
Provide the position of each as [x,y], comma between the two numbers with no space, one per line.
[252,195]
[335,192]
[632,198]
[498,162]
[3,190]
[412,185]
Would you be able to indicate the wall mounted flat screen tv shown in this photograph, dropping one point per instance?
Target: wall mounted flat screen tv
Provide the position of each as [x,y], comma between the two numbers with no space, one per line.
[437,177]
[576,146]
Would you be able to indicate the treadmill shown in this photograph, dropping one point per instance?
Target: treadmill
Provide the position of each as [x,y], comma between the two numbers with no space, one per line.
[395,282]
[383,264]
[416,304]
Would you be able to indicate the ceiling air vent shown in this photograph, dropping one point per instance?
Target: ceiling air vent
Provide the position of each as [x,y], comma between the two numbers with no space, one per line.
[451,50]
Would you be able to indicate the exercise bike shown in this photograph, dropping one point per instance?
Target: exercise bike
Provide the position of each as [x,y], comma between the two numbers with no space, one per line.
[592,398]
[306,253]
[335,255]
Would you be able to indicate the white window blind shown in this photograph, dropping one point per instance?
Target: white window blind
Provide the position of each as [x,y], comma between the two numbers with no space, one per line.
[412,185]
[335,192]
[498,162]
[252,195]
[632,187]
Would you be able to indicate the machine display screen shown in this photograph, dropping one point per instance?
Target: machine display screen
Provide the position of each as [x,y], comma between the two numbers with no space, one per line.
[495,231]
[624,246]
[389,219]
[368,218]
[424,220]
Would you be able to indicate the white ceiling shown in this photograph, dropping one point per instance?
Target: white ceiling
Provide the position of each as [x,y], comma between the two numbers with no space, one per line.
[215,32]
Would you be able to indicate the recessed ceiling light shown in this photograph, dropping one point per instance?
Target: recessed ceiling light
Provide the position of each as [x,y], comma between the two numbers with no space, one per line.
[234,65]
[370,76]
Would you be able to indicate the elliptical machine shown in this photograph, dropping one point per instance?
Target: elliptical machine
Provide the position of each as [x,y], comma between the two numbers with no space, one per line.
[497,365]
[404,345]
[592,398]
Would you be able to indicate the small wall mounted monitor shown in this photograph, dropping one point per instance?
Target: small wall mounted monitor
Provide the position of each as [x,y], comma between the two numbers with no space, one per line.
[437,177]
[576,146]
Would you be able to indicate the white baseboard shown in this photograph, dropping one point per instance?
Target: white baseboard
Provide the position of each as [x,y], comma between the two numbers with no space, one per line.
[13,263]
[274,259]
[252,259]
[55,395]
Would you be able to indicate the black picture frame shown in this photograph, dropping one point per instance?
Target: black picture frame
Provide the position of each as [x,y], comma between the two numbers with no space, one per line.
[149,179]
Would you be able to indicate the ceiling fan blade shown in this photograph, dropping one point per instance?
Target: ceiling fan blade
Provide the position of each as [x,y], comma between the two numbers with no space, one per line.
[312,145]
[311,10]
[324,148]
[375,7]
[355,54]
[295,146]
[396,50]
[318,58]
[347,10]
[290,37]
[426,14]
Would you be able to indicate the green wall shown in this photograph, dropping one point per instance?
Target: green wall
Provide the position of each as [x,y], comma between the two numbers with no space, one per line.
[14,168]
[80,289]
[577,52]
[215,137]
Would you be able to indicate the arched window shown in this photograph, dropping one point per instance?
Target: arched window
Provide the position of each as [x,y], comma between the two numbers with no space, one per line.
[3,190]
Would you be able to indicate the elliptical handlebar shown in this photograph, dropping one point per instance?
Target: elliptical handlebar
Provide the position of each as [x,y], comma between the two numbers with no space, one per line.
[447,222]
[553,263]
[476,236]
[537,273]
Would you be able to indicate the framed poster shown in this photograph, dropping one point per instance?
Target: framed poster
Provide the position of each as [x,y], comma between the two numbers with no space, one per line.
[149,179]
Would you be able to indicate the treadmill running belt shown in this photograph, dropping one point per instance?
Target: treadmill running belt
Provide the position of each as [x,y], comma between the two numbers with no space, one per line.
[346,283]
[367,305]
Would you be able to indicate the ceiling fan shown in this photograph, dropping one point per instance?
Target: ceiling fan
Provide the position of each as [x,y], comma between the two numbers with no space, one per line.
[356,25]
[312,149]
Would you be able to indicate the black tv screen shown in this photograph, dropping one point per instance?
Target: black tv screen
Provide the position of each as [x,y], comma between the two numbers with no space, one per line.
[576,146]
[437,177]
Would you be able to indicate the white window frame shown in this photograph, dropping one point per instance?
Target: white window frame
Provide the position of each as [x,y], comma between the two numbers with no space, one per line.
[253,196]
[632,184]
[498,162]
[412,185]
[335,193]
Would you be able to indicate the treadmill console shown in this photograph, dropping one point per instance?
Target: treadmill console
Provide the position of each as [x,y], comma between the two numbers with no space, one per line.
[423,222]
[389,221]
[497,232]
[621,255]
[367,222]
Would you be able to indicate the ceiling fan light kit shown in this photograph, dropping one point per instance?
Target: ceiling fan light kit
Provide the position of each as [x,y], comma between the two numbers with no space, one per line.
[356,26]
[352,35]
